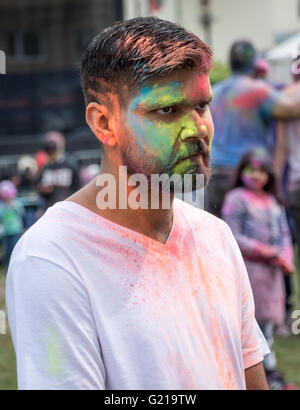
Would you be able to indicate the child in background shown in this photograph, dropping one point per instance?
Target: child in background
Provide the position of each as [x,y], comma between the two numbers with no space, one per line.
[11,214]
[253,211]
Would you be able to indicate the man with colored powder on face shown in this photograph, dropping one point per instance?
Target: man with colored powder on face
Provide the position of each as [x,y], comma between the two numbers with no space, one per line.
[137,298]
[242,110]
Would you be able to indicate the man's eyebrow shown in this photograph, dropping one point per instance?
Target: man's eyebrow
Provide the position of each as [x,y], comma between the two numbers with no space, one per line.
[206,99]
[162,102]
[173,102]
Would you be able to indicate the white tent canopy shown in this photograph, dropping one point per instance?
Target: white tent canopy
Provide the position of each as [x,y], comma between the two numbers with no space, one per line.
[281,57]
[287,50]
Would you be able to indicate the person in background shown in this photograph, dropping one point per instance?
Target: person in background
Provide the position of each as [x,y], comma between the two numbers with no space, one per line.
[27,168]
[11,218]
[41,157]
[261,71]
[242,110]
[26,181]
[59,178]
[259,224]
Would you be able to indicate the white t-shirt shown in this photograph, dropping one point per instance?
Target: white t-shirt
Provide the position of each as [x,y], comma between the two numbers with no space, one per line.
[93,305]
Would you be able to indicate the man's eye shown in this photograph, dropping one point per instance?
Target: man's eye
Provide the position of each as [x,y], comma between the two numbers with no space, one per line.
[203,106]
[166,110]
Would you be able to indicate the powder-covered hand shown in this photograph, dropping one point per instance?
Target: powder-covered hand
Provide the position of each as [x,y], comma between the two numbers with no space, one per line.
[287,266]
[269,252]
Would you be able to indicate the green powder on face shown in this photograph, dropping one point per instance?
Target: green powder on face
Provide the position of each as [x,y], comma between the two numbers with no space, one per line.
[157,137]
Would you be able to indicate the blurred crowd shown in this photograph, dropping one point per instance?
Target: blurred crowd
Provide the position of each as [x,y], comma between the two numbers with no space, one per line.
[255,185]
[40,181]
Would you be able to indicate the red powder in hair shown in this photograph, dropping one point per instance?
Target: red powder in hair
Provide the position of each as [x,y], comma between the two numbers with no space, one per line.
[199,88]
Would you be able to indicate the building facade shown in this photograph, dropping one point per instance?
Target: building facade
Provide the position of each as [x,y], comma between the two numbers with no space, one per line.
[220,22]
[43,41]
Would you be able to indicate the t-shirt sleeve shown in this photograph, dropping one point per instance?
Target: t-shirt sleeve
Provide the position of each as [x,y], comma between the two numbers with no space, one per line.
[254,345]
[52,326]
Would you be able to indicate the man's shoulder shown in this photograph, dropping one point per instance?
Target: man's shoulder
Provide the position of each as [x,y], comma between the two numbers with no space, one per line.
[251,85]
[292,90]
[197,215]
[210,234]
[47,252]
[239,86]
[219,86]
[234,80]
[50,236]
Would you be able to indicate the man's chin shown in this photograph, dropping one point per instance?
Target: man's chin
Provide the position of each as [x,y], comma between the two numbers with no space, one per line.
[207,176]
[189,182]
[200,177]
[199,181]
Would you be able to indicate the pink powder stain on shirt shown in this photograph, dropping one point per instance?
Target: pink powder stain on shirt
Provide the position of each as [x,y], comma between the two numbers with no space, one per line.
[177,363]
[213,348]
[250,100]
[217,336]
[165,291]
[159,289]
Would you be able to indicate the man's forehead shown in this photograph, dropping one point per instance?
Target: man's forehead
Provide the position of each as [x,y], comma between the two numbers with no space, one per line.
[174,90]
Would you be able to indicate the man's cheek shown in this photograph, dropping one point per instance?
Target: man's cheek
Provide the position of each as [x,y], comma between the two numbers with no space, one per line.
[210,128]
[156,138]
[211,135]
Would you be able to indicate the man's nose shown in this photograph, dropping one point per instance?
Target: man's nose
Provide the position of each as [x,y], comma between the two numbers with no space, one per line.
[195,129]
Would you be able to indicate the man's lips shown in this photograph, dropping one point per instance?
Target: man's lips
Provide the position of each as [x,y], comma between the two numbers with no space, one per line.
[203,155]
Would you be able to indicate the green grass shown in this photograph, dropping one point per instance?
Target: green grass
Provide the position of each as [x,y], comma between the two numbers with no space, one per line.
[8,378]
[287,350]
[288,357]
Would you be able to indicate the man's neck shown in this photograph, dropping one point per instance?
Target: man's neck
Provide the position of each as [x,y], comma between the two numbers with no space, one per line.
[154,223]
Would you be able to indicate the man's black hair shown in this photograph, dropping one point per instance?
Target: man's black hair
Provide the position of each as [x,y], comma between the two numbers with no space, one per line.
[134,51]
[242,56]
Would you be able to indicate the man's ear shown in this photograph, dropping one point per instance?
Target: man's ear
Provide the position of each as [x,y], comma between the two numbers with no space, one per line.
[97,117]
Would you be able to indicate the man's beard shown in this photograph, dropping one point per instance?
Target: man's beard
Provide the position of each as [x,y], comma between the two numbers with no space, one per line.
[138,163]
